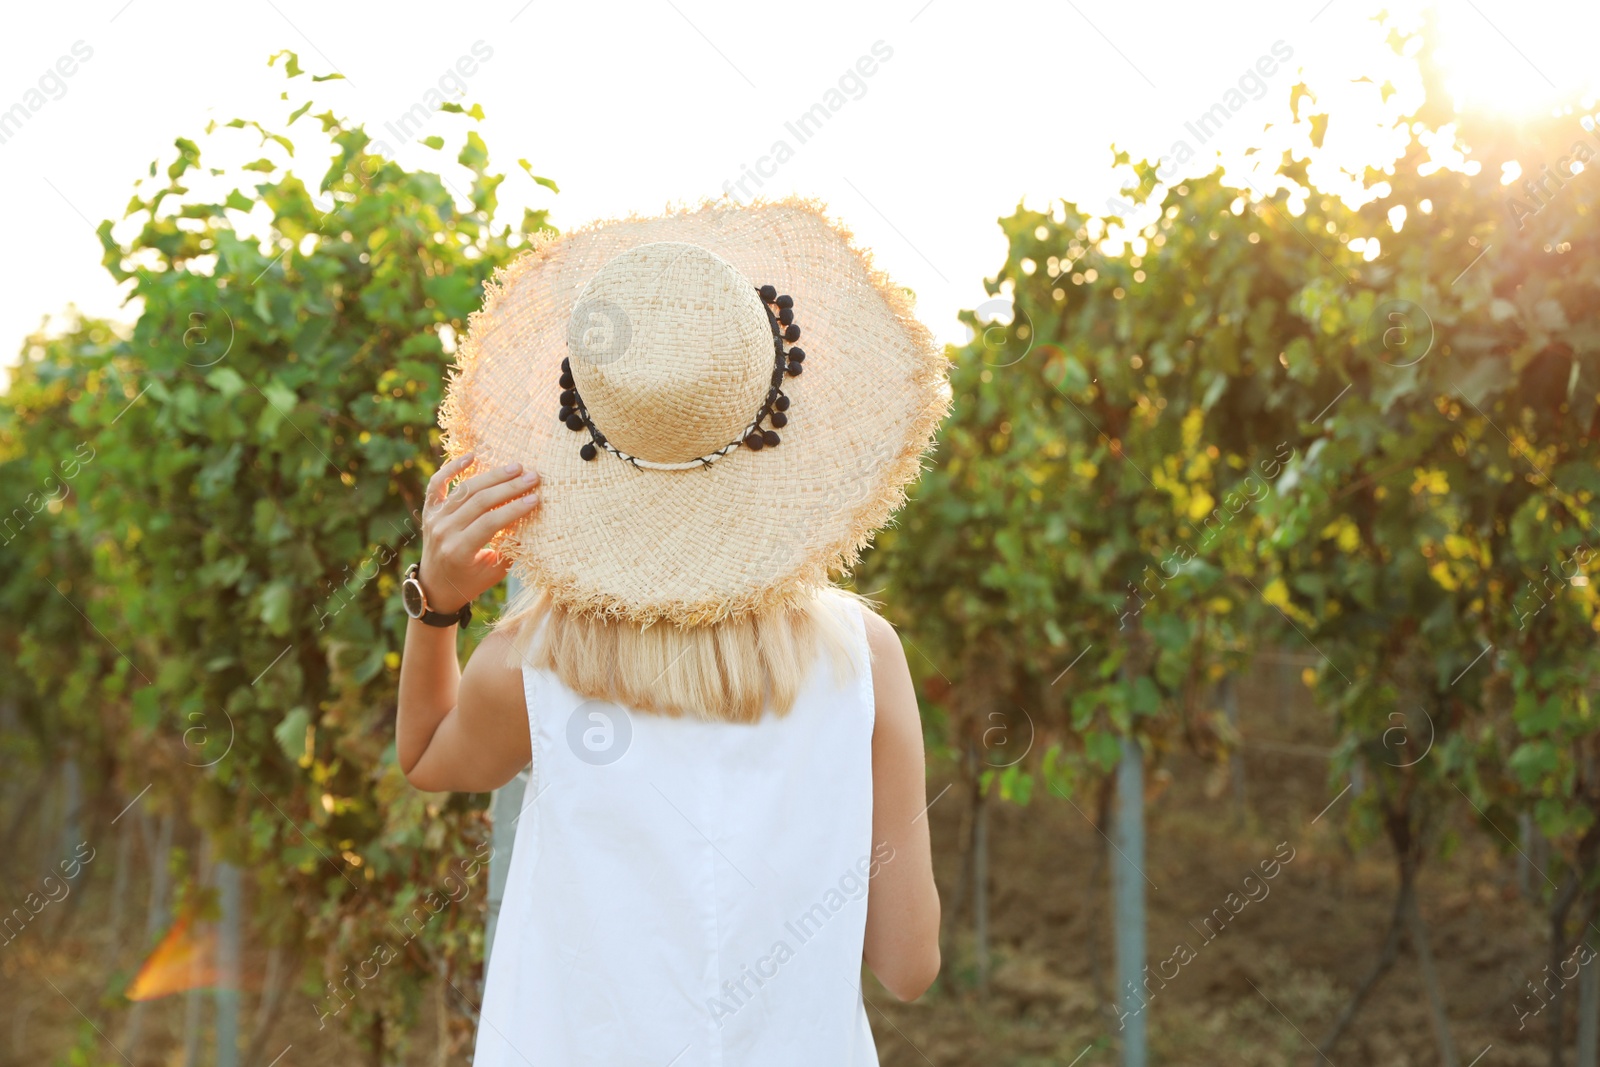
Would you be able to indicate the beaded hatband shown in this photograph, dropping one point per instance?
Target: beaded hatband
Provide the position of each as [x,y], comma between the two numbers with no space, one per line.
[773,409]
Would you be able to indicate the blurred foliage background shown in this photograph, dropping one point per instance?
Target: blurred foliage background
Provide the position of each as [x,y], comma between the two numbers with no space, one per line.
[1249,411]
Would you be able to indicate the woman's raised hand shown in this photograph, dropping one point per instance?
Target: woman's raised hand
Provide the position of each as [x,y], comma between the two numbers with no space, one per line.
[457,563]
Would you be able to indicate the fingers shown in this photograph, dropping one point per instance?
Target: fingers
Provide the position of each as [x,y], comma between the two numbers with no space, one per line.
[492,497]
[499,518]
[489,557]
[477,482]
[439,484]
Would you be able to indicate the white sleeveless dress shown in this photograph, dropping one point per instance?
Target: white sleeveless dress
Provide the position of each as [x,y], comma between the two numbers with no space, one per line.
[686,893]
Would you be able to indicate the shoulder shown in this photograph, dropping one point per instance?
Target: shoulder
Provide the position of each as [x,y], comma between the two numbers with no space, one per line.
[494,669]
[499,649]
[493,700]
[882,639]
[898,719]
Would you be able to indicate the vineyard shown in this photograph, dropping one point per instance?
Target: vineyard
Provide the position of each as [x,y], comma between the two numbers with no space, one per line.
[1248,598]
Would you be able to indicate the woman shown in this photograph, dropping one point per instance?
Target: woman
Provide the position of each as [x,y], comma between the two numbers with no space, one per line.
[726,812]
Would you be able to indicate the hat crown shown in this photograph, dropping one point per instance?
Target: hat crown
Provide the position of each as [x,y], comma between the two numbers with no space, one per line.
[671,350]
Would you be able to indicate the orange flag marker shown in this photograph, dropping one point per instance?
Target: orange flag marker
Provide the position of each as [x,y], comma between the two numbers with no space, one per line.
[185,959]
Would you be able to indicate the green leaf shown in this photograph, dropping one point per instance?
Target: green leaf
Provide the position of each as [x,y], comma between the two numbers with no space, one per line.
[280,396]
[370,667]
[1146,699]
[147,708]
[457,295]
[1016,785]
[290,733]
[261,302]
[474,154]
[1300,360]
[1532,760]
[226,381]
[1484,378]
[188,156]
[546,182]
[1103,749]
[274,603]
[292,67]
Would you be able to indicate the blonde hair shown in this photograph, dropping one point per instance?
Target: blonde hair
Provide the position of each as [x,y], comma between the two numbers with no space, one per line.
[729,671]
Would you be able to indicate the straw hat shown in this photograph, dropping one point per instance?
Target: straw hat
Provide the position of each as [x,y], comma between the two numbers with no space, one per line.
[724,404]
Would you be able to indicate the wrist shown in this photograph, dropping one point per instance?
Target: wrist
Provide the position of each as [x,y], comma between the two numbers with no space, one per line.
[420,604]
[446,601]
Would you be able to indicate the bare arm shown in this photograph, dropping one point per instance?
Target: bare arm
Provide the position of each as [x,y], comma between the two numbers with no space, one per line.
[455,732]
[902,942]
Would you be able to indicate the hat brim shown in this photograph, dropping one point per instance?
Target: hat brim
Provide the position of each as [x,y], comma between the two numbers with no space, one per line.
[754,530]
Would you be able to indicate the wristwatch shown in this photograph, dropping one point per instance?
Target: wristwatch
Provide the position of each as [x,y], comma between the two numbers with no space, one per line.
[416,604]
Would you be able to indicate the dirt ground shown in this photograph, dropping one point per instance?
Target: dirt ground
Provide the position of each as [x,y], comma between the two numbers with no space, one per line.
[1258,993]
[1269,984]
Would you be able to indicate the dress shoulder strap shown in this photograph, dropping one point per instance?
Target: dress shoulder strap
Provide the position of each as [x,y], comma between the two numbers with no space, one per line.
[863,652]
[533,683]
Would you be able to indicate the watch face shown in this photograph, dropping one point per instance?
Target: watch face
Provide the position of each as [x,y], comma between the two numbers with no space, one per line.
[411,597]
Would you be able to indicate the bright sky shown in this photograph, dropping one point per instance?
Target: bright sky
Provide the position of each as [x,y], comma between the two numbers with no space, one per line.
[942,114]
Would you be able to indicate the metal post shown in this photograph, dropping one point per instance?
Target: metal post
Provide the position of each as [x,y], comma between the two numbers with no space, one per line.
[1127,882]
[228,956]
[503,809]
[1589,1008]
[72,812]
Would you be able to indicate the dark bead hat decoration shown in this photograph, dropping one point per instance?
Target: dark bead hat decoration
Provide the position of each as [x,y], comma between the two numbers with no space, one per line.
[773,410]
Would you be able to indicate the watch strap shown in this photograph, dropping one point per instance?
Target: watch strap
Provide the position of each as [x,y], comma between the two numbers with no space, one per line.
[447,618]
